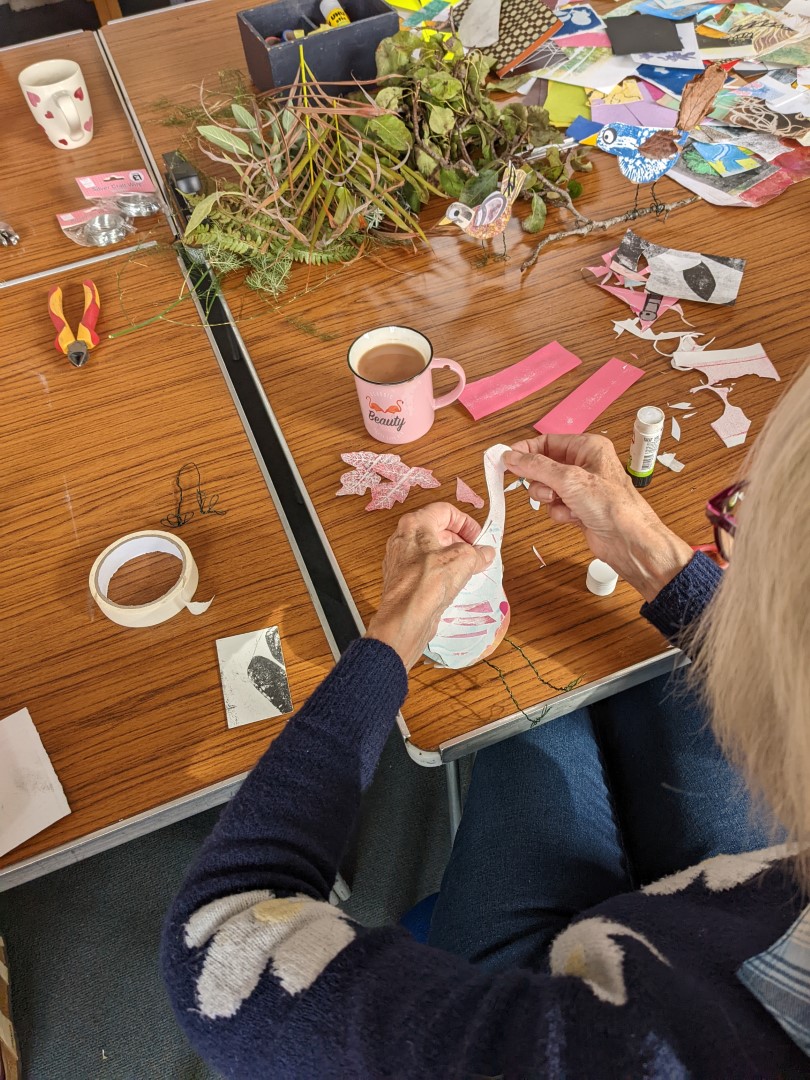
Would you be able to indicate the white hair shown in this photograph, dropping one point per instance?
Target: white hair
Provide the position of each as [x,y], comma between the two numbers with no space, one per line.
[753,646]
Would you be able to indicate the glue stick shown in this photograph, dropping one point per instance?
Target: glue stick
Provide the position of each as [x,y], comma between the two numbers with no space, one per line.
[647,432]
[334,13]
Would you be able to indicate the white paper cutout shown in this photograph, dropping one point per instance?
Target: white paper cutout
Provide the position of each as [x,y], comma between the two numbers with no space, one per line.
[539,556]
[671,462]
[254,677]
[733,425]
[720,364]
[459,643]
[680,405]
[676,429]
[31,797]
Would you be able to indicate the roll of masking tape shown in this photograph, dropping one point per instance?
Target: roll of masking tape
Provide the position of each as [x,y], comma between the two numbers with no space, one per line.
[164,607]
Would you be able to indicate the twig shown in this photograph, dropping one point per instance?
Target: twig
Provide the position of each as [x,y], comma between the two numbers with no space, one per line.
[588,225]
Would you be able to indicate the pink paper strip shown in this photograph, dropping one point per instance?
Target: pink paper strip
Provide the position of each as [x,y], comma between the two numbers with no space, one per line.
[576,412]
[518,381]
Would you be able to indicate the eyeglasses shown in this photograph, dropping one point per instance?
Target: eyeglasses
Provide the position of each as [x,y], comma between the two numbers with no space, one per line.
[720,512]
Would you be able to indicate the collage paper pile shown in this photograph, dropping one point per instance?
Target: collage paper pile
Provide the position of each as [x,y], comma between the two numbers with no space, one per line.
[615,81]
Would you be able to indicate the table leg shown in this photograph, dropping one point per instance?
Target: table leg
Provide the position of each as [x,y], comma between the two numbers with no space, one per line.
[107,10]
[451,771]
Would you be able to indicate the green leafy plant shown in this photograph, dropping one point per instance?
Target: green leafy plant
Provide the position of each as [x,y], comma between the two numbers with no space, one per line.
[440,109]
[295,178]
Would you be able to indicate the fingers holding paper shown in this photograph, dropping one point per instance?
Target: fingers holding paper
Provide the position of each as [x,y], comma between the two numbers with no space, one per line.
[583,483]
[428,560]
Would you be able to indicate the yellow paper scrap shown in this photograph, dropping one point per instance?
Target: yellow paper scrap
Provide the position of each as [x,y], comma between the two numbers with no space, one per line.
[623,94]
[565,103]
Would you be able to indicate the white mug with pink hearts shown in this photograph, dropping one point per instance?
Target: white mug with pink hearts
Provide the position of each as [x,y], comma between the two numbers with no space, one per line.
[57,96]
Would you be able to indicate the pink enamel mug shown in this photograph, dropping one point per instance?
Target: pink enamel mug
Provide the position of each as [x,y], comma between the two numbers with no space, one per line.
[393,372]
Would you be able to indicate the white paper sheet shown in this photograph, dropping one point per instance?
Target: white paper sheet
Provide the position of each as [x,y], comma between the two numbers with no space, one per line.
[31,797]
[254,677]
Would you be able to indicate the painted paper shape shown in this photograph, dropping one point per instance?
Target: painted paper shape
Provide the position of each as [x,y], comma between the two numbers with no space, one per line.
[31,796]
[254,677]
[733,425]
[575,413]
[465,494]
[514,383]
[671,462]
[688,275]
[720,364]
[402,478]
[474,624]
[364,475]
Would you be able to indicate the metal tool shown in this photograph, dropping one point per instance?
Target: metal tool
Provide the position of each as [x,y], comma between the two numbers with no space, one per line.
[8,235]
[76,347]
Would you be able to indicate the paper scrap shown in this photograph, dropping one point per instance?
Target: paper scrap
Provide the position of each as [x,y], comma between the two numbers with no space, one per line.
[641,33]
[590,399]
[403,478]
[513,486]
[518,381]
[676,429]
[688,275]
[539,556]
[720,364]
[733,425]
[480,24]
[671,462]
[680,405]
[363,476]
[31,797]
[253,676]
[465,494]
[458,642]
[632,326]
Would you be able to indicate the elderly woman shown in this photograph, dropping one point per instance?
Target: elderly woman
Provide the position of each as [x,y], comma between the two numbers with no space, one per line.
[605,912]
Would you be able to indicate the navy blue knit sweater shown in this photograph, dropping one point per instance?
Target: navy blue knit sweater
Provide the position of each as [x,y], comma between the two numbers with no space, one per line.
[267,979]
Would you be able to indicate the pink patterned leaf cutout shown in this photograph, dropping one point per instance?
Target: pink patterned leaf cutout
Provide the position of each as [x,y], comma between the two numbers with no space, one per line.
[357,482]
[464,493]
[364,475]
[402,478]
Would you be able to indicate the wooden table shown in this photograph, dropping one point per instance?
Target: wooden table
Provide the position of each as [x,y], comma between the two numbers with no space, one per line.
[37,180]
[485,318]
[133,719]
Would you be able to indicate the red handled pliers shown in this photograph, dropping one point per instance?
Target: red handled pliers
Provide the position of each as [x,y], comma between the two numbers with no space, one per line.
[76,347]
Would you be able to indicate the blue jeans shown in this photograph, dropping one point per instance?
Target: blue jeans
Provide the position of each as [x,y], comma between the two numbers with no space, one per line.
[589,805]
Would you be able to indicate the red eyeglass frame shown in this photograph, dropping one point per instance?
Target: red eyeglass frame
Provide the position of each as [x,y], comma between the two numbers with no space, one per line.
[718,511]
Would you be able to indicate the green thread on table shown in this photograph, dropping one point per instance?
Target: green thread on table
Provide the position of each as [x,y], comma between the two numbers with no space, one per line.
[545,682]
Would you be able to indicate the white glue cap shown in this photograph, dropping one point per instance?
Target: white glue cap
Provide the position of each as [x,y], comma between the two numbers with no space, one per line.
[601,579]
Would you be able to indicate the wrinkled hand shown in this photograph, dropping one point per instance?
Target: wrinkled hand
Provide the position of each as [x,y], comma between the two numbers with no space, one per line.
[582,482]
[428,561]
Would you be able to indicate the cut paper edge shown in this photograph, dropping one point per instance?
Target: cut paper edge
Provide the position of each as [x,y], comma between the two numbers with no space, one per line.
[465,494]
[676,429]
[199,607]
[671,462]
[720,364]
[539,556]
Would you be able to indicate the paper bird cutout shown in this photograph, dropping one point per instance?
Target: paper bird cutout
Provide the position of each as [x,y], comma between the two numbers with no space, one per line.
[363,476]
[490,217]
[402,478]
[644,154]
[464,493]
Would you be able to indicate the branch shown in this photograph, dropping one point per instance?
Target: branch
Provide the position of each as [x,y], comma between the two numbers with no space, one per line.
[588,225]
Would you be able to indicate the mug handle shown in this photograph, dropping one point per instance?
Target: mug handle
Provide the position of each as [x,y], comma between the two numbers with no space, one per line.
[73,123]
[458,390]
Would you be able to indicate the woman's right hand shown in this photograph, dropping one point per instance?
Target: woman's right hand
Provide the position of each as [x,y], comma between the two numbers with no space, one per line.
[582,482]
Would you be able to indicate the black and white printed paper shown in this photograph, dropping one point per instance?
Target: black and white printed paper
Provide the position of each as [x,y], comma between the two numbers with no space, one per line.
[254,677]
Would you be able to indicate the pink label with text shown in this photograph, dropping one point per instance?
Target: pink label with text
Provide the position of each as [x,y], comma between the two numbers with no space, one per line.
[102,185]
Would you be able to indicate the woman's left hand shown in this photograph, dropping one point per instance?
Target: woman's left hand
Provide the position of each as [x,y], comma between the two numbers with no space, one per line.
[428,561]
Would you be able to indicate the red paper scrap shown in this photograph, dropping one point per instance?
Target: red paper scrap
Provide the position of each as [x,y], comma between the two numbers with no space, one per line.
[485,396]
[464,493]
[575,413]
[403,478]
